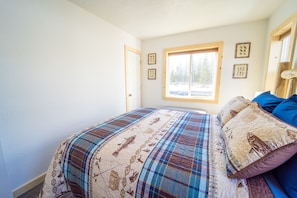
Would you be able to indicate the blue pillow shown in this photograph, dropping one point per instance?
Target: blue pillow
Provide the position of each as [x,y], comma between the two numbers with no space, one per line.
[268,101]
[286,175]
[287,110]
[274,185]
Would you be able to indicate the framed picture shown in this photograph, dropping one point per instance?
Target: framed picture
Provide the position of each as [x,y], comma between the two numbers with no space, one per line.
[152,58]
[242,50]
[151,74]
[240,71]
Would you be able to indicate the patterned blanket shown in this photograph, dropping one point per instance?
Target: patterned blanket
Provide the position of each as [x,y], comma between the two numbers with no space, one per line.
[144,153]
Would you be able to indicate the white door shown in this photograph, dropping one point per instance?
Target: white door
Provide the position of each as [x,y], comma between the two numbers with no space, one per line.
[133,78]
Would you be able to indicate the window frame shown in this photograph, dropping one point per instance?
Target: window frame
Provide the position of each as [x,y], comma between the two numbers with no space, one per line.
[199,47]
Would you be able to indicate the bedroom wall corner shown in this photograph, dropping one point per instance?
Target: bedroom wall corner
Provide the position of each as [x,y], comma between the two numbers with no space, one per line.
[287,9]
[253,32]
[62,70]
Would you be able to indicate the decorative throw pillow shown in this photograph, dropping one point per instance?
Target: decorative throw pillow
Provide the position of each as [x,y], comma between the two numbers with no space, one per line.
[230,109]
[267,101]
[257,142]
[286,175]
[287,110]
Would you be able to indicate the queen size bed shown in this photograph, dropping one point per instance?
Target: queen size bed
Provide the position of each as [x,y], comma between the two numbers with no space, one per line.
[244,151]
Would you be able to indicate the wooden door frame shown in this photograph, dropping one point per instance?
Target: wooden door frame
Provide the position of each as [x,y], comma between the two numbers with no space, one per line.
[289,24]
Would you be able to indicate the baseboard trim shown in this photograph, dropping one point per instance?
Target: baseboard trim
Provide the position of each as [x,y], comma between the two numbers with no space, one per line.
[29,185]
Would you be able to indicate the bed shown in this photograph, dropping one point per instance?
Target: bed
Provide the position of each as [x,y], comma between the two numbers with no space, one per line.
[247,150]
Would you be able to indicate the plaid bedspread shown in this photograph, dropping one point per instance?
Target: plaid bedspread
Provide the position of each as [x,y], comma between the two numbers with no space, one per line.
[144,153]
[177,166]
[80,150]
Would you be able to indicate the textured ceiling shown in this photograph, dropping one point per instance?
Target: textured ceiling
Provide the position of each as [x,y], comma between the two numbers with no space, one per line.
[147,19]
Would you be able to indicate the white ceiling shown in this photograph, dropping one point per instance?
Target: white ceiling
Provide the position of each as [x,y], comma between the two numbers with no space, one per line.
[147,19]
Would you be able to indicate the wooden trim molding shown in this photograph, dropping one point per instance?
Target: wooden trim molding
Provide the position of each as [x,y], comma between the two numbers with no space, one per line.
[29,185]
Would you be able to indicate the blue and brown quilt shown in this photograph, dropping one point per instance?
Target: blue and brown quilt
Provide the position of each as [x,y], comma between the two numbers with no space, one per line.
[147,152]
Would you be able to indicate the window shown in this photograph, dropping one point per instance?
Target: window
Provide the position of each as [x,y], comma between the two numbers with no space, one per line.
[285,46]
[193,73]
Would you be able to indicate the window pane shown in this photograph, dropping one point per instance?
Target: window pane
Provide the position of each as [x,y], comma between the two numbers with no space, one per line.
[193,73]
[179,72]
[203,74]
[285,49]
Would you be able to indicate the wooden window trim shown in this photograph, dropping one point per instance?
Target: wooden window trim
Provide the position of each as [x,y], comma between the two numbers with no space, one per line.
[195,48]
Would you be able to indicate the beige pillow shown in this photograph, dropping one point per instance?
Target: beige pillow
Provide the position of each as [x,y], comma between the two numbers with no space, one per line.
[234,106]
[257,142]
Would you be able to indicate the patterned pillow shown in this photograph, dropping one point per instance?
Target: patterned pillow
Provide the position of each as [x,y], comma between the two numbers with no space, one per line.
[257,142]
[230,109]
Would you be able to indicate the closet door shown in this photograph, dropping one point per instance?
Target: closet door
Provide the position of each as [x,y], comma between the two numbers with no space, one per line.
[133,78]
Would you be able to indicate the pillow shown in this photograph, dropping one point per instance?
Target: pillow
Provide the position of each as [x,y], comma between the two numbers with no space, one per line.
[257,142]
[267,101]
[230,109]
[287,110]
[275,187]
[286,175]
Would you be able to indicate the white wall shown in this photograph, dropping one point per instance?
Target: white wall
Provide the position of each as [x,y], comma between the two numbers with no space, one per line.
[4,181]
[61,70]
[251,32]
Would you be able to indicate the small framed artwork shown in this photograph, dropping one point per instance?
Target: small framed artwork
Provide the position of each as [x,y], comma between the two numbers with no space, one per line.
[151,75]
[152,58]
[240,70]
[242,50]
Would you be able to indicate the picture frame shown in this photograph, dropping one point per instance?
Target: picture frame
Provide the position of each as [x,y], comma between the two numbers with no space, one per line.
[240,71]
[152,58]
[242,50]
[151,75]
